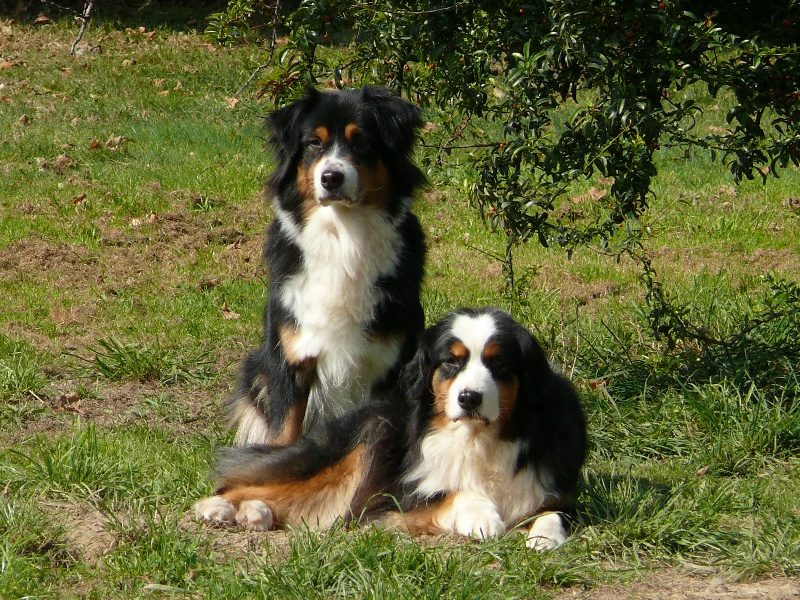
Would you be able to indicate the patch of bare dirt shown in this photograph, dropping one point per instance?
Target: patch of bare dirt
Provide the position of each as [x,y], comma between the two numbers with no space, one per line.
[674,584]
[234,542]
[571,286]
[41,259]
[149,249]
[184,409]
[86,529]
[699,259]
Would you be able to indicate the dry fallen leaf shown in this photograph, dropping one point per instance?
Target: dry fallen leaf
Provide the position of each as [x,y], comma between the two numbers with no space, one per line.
[23,119]
[94,145]
[128,62]
[79,198]
[227,313]
[70,403]
[42,19]
[7,65]
[115,142]
[233,102]
[596,384]
[137,222]
[63,161]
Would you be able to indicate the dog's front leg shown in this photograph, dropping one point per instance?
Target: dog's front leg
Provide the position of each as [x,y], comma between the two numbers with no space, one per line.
[274,386]
[547,532]
[466,513]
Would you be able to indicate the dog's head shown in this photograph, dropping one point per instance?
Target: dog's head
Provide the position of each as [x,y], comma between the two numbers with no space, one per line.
[345,148]
[477,368]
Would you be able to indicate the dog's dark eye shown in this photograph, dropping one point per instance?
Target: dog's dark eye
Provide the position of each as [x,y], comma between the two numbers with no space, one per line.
[360,143]
[453,363]
[498,366]
[314,142]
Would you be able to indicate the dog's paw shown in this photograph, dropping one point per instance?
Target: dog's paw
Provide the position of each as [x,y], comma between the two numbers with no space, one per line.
[475,516]
[391,520]
[254,515]
[546,533]
[215,509]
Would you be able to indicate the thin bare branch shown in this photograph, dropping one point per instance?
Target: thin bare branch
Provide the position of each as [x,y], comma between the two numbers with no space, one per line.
[273,45]
[59,7]
[84,17]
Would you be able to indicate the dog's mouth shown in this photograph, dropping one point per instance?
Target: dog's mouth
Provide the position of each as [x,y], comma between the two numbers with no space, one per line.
[336,198]
[472,415]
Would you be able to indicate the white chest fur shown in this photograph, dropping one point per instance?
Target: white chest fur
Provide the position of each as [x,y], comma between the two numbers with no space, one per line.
[466,456]
[334,296]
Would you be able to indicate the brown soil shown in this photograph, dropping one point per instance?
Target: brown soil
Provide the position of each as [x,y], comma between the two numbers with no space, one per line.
[675,584]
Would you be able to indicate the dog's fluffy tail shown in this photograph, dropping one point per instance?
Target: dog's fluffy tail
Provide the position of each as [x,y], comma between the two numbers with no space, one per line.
[362,451]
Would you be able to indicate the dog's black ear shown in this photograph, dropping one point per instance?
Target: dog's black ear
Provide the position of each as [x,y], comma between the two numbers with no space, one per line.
[417,385]
[533,368]
[416,375]
[396,118]
[533,357]
[286,133]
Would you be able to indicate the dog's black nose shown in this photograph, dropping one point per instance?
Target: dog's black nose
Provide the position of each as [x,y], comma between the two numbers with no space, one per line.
[469,399]
[332,180]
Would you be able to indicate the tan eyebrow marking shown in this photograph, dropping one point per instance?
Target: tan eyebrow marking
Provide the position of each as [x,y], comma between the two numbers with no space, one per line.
[459,350]
[323,134]
[491,350]
[351,131]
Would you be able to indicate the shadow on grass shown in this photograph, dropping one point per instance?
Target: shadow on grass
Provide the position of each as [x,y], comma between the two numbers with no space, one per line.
[183,15]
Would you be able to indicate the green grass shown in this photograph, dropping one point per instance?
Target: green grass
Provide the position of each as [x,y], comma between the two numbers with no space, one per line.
[125,313]
[114,359]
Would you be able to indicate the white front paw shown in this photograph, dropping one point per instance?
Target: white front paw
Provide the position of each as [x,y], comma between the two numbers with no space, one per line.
[215,509]
[547,532]
[254,515]
[475,516]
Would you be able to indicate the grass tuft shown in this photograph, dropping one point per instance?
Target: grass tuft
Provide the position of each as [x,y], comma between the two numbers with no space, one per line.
[118,360]
[20,369]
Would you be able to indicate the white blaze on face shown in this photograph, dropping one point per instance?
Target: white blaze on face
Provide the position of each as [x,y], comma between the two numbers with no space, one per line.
[474,333]
[335,162]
